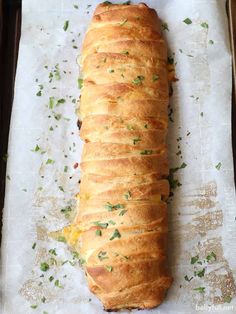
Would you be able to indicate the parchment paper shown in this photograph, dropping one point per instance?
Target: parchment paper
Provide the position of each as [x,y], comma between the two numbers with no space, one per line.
[44,147]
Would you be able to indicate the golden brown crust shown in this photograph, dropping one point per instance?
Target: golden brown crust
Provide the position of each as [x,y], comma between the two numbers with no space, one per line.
[121,225]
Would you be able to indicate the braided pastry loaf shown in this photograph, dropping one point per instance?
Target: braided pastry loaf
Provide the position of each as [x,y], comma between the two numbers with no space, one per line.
[122,218]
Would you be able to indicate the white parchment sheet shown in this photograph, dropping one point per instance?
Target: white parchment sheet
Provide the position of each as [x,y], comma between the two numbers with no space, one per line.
[44,147]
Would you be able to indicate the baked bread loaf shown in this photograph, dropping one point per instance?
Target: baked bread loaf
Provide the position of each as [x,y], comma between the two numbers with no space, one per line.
[121,224]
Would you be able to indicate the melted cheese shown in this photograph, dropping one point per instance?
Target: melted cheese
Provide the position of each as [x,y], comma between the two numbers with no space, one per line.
[71,233]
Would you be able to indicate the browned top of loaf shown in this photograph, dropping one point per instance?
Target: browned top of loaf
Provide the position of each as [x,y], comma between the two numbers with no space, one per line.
[122,212]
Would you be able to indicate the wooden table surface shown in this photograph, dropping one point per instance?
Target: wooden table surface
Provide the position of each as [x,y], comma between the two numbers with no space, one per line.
[10,28]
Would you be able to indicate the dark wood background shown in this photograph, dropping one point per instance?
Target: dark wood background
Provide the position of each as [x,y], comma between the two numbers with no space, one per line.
[10,29]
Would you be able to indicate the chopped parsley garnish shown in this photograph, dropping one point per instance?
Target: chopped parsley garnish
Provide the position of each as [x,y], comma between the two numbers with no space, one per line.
[53,252]
[165,26]
[146,126]
[211,42]
[66,211]
[125,52]
[111,70]
[170,60]
[101,224]
[43,299]
[57,284]
[75,254]
[122,212]
[61,239]
[211,257]
[123,22]
[155,77]
[51,102]
[187,21]
[98,232]
[39,93]
[187,279]
[75,6]
[60,101]
[80,82]
[34,306]
[111,222]
[126,3]
[138,80]
[194,259]
[109,268]
[102,255]
[200,289]
[204,25]
[107,2]
[227,299]
[61,188]
[57,72]
[127,195]
[116,234]
[170,113]
[218,166]
[183,165]
[201,114]
[50,77]
[201,273]
[65,168]
[146,152]
[136,140]
[36,149]
[111,207]
[34,246]
[66,25]
[50,161]
[57,116]
[174,183]
[44,266]
[130,127]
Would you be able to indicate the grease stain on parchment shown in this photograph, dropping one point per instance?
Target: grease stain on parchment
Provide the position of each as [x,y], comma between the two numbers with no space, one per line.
[42,232]
[204,223]
[202,203]
[218,279]
[204,199]
[35,287]
[33,292]
[207,191]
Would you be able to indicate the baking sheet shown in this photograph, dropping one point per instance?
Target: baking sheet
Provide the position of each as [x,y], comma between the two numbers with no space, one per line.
[44,149]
